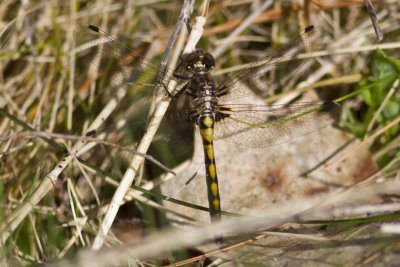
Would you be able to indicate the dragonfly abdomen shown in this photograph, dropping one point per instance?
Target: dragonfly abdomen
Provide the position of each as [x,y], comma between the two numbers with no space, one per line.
[206,125]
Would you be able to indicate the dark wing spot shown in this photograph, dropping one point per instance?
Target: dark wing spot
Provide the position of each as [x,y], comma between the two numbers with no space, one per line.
[94,28]
[91,133]
[309,28]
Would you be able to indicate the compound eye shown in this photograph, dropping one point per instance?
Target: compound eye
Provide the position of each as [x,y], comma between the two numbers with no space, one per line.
[210,65]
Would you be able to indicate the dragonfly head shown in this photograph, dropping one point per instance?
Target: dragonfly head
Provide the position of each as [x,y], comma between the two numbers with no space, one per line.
[198,61]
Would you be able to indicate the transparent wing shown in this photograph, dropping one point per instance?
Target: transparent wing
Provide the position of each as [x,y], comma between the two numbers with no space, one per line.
[284,59]
[117,64]
[129,63]
[262,126]
[172,143]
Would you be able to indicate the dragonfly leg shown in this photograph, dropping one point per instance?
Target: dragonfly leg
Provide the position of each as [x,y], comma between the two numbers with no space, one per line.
[183,89]
[167,93]
[188,26]
[182,77]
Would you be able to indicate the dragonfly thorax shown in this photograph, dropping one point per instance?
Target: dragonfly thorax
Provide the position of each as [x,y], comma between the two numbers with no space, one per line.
[202,89]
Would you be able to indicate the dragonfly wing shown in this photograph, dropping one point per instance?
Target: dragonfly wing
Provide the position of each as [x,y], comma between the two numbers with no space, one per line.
[284,62]
[174,135]
[262,125]
[129,65]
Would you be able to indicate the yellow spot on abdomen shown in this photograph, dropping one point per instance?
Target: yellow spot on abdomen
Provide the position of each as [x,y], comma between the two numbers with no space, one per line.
[216,204]
[208,121]
[207,134]
[214,189]
[211,171]
[209,151]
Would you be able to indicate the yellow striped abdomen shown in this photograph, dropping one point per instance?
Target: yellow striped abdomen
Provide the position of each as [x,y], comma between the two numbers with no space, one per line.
[206,125]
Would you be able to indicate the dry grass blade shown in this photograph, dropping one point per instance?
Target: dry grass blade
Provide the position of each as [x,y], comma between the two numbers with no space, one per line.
[374,20]
[161,242]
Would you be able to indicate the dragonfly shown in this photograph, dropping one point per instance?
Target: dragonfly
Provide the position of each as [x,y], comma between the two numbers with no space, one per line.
[214,107]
